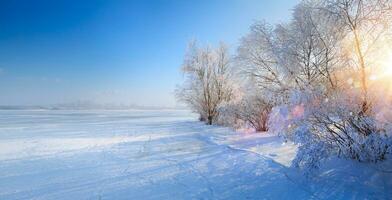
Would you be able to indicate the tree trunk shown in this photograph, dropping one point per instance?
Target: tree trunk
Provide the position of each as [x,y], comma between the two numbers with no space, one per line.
[209,120]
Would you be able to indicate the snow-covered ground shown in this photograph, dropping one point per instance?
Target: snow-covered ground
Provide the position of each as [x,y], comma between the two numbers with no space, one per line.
[162,155]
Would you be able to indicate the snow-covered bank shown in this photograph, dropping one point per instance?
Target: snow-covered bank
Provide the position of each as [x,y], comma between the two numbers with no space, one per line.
[267,145]
[336,179]
[159,155]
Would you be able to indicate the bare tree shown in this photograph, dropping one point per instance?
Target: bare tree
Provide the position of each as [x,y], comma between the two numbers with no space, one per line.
[207,82]
[312,47]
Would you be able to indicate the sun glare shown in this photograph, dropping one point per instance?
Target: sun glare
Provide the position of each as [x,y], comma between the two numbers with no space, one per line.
[384,70]
[387,66]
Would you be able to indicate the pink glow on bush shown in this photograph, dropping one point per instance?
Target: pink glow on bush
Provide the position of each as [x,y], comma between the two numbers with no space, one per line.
[298,111]
[246,131]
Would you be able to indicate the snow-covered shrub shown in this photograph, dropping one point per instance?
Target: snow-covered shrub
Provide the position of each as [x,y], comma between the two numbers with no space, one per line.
[333,126]
[351,133]
[311,151]
[228,115]
[279,121]
[252,111]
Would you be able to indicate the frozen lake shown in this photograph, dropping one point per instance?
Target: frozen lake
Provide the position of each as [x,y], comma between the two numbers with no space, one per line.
[121,155]
[138,155]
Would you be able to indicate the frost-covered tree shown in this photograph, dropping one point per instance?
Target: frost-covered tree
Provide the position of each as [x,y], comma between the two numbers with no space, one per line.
[260,58]
[311,47]
[297,55]
[207,84]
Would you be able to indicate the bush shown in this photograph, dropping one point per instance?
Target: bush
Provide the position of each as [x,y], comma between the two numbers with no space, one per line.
[252,111]
[334,126]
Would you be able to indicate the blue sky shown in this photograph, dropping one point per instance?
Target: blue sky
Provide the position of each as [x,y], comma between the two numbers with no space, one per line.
[115,51]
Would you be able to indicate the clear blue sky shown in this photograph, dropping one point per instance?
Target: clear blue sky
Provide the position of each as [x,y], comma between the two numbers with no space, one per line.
[113,51]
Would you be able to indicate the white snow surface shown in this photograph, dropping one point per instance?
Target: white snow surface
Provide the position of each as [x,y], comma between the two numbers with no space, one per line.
[163,155]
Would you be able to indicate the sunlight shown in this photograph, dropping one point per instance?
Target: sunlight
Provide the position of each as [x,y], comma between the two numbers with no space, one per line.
[381,80]
[386,67]
[383,72]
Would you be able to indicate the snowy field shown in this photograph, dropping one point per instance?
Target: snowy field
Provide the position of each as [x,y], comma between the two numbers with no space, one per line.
[161,155]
